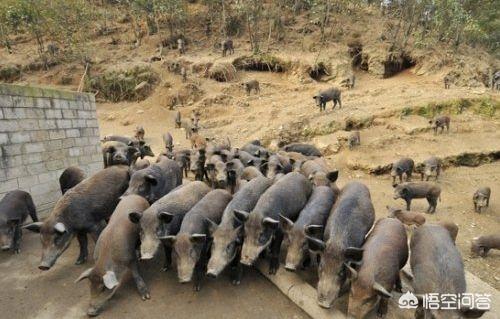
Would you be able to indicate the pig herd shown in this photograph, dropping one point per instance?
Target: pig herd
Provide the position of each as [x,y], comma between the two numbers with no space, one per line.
[242,204]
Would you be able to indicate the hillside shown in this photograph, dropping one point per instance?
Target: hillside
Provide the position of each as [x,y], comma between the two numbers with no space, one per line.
[394,97]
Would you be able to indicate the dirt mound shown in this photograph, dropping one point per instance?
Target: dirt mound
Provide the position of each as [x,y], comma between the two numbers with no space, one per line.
[261,62]
[133,84]
[221,72]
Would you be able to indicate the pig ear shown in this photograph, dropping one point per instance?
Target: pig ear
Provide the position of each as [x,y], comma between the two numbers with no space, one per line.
[135,217]
[257,153]
[229,165]
[394,185]
[60,228]
[240,215]
[263,165]
[315,244]
[34,227]
[130,143]
[353,253]
[142,143]
[151,179]
[165,217]
[84,275]
[270,222]
[311,177]
[404,190]
[210,166]
[311,230]
[314,97]
[381,291]
[198,238]
[285,223]
[212,227]
[332,176]
[224,157]
[250,162]
[352,271]
[110,280]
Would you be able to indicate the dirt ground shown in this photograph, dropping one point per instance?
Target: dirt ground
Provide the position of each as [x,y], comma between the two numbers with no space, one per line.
[30,293]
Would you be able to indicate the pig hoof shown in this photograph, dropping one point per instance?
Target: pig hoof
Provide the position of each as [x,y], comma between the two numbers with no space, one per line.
[17,251]
[273,270]
[197,288]
[236,282]
[146,296]
[80,261]
[165,268]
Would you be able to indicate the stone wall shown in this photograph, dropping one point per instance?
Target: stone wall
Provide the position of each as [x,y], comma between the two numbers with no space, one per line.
[42,132]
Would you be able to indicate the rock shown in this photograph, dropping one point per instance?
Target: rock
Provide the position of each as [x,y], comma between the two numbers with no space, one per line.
[140,111]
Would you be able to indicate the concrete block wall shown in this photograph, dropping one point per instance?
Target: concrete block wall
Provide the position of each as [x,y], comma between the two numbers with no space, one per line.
[42,132]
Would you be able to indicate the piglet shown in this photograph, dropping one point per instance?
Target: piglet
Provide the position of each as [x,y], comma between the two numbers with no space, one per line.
[482,244]
[15,207]
[406,217]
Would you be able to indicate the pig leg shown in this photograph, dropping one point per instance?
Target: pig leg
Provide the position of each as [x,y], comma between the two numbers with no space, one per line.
[432,205]
[199,271]
[475,207]
[382,307]
[82,241]
[274,260]
[139,282]
[16,241]
[168,257]
[96,230]
[399,285]
[236,269]
[408,203]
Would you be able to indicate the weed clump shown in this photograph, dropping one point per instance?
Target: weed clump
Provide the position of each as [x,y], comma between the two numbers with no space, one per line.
[126,85]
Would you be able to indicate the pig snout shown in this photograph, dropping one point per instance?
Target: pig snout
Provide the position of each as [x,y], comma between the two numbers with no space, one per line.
[44,265]
[211,273]
[92,312]
[246,260]
[323,301]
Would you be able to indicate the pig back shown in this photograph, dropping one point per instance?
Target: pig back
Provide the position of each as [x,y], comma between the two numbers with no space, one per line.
[352,216]
[212,205]
[246,198]
[181,199]
[119,238]
[387,243]
[94,198]
[318,207]
[287,196]
[435,261]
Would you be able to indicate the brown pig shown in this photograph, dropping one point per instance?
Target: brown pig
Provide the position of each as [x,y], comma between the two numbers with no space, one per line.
[314,214]
[115,255]
[438,268]
[406,217]
[385,253]
[81,210]
[15,207]
[482,244]
[440,122]
[192,241]
[481,199]
[350,220]
[319,174]
[70,177]
[411,190]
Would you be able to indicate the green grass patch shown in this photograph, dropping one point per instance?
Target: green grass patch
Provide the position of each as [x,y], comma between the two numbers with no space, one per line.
[481,106]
